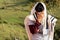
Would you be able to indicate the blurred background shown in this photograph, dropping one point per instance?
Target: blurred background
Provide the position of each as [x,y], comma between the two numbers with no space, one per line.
[13,13]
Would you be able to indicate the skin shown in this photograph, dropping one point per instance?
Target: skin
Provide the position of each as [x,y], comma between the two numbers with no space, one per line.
[40,16]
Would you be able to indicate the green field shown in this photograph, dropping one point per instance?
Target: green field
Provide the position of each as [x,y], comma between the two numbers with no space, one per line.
[12,15]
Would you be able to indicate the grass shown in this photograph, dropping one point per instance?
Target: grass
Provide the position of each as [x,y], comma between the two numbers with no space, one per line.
[11,32]
[12,23]
[12,20]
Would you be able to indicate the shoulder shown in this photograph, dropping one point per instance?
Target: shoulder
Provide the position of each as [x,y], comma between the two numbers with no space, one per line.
[52,18]
[28,20]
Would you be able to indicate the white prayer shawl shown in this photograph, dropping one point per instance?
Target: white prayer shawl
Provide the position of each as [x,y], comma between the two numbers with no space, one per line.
[45,15]
[47,33]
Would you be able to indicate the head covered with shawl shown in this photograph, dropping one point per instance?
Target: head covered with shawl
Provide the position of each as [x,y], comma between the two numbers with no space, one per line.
[34,9]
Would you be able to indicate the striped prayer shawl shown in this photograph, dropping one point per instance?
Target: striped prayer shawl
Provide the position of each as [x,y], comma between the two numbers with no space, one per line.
[49,23]
[49,31]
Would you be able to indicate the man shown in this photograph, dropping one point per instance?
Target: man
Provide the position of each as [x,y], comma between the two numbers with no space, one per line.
[39,25]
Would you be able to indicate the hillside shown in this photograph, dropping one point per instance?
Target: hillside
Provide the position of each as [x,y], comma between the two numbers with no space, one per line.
[12,15]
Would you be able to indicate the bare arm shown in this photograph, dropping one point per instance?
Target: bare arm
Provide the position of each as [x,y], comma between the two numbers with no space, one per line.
[27,29]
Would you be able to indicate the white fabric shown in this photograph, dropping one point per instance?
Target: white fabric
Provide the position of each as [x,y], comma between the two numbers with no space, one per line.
[47,36]
[45,15]
[47,33]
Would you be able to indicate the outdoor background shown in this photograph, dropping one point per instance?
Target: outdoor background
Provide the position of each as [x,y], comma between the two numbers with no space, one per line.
[13,13]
